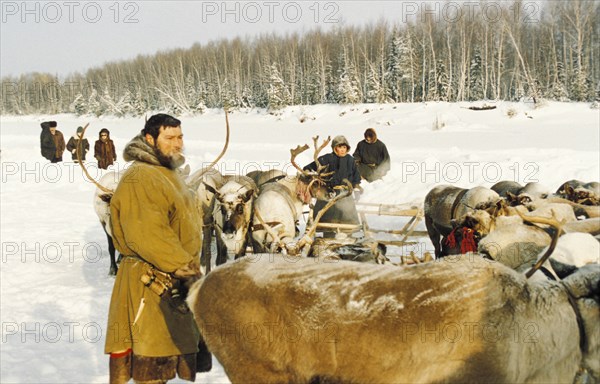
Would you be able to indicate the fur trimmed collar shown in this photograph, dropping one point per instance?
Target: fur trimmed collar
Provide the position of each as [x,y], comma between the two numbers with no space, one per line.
[138,149]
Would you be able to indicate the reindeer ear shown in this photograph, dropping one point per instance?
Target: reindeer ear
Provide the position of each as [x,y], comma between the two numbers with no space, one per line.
[210,188]
[186,170]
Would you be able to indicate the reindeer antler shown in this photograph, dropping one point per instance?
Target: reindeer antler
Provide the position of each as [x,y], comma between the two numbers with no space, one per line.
[295,152]
[276,239]
[206,169]
[317,176]
[85,171]
[544,220]
[318,150]
[307,239]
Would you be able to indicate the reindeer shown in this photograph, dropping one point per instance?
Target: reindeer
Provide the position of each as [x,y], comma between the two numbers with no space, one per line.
[279,205]
[261,178]
[232,213]
[303,246]
[445,204]
[102,196]
[335,313]
[205,182]
[580,192]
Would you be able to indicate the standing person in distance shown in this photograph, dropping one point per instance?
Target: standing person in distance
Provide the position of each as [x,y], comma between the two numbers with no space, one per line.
[152,335]
[104,149]
[372,157]
[73,144]
[52,142]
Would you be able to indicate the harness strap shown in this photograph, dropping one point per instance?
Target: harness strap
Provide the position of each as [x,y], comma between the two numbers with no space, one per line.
[459,197]
[260,227]
[547,272]
[583,344]
[274,179]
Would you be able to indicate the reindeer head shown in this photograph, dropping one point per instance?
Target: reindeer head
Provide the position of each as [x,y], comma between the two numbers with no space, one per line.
[234,202]
[315,182]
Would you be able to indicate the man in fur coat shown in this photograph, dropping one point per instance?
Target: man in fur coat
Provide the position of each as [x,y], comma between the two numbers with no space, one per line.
[52,142]
[152,335]
[372,157]
[104,149]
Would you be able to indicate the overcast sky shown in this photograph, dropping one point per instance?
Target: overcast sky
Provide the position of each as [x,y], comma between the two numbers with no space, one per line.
[61,37]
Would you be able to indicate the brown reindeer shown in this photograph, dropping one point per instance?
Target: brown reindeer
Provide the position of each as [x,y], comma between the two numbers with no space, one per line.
[277,319]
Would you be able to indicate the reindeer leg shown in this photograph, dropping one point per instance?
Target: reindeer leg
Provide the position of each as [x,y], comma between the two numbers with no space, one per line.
[206,243]
[434,235]
[111,251]
[221,250]
[242,251]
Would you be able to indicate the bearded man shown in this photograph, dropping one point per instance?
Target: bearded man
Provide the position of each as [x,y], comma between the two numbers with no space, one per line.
[152,335]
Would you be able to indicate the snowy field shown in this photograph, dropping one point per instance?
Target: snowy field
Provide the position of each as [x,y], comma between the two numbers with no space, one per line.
[55,289]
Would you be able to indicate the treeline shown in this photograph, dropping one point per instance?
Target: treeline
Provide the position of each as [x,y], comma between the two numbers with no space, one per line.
[506,53]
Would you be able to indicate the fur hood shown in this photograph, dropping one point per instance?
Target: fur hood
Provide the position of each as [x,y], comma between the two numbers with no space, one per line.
[340,140]
[138,149]
[371,132]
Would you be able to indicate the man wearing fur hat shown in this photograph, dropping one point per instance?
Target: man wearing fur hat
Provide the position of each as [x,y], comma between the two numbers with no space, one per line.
[372,157]
[73,144]
[342,164]
[152,335]
[52,142]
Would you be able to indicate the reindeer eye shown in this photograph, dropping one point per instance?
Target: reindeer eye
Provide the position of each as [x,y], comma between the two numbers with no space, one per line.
[223,210]
[239,208]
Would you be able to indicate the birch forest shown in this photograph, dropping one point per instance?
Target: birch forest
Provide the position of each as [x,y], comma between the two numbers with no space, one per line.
[552,53]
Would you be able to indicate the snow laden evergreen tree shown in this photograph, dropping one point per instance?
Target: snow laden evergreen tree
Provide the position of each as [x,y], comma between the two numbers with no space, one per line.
[79,105]
[314,84]
[558,90]
[247,100]
[331,93]
[228,98]
[375,87]
[581,85]
[120,107]
[348,86]
[442,86]
[475,77]
[94,105]
[125,103]
[398,66]
[278,95]
[139,105]
[193,95]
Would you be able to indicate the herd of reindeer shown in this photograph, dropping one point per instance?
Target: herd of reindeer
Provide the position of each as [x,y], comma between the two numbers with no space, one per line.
[508,256]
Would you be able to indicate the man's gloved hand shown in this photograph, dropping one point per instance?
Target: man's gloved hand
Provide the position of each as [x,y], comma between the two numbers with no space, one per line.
[189,272]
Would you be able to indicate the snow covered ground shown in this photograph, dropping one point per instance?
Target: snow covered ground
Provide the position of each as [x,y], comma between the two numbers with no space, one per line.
[54,286]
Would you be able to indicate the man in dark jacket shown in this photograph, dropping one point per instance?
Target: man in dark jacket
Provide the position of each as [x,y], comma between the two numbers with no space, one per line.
[372,157]
[52,142]
[342,164]
[74,143]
